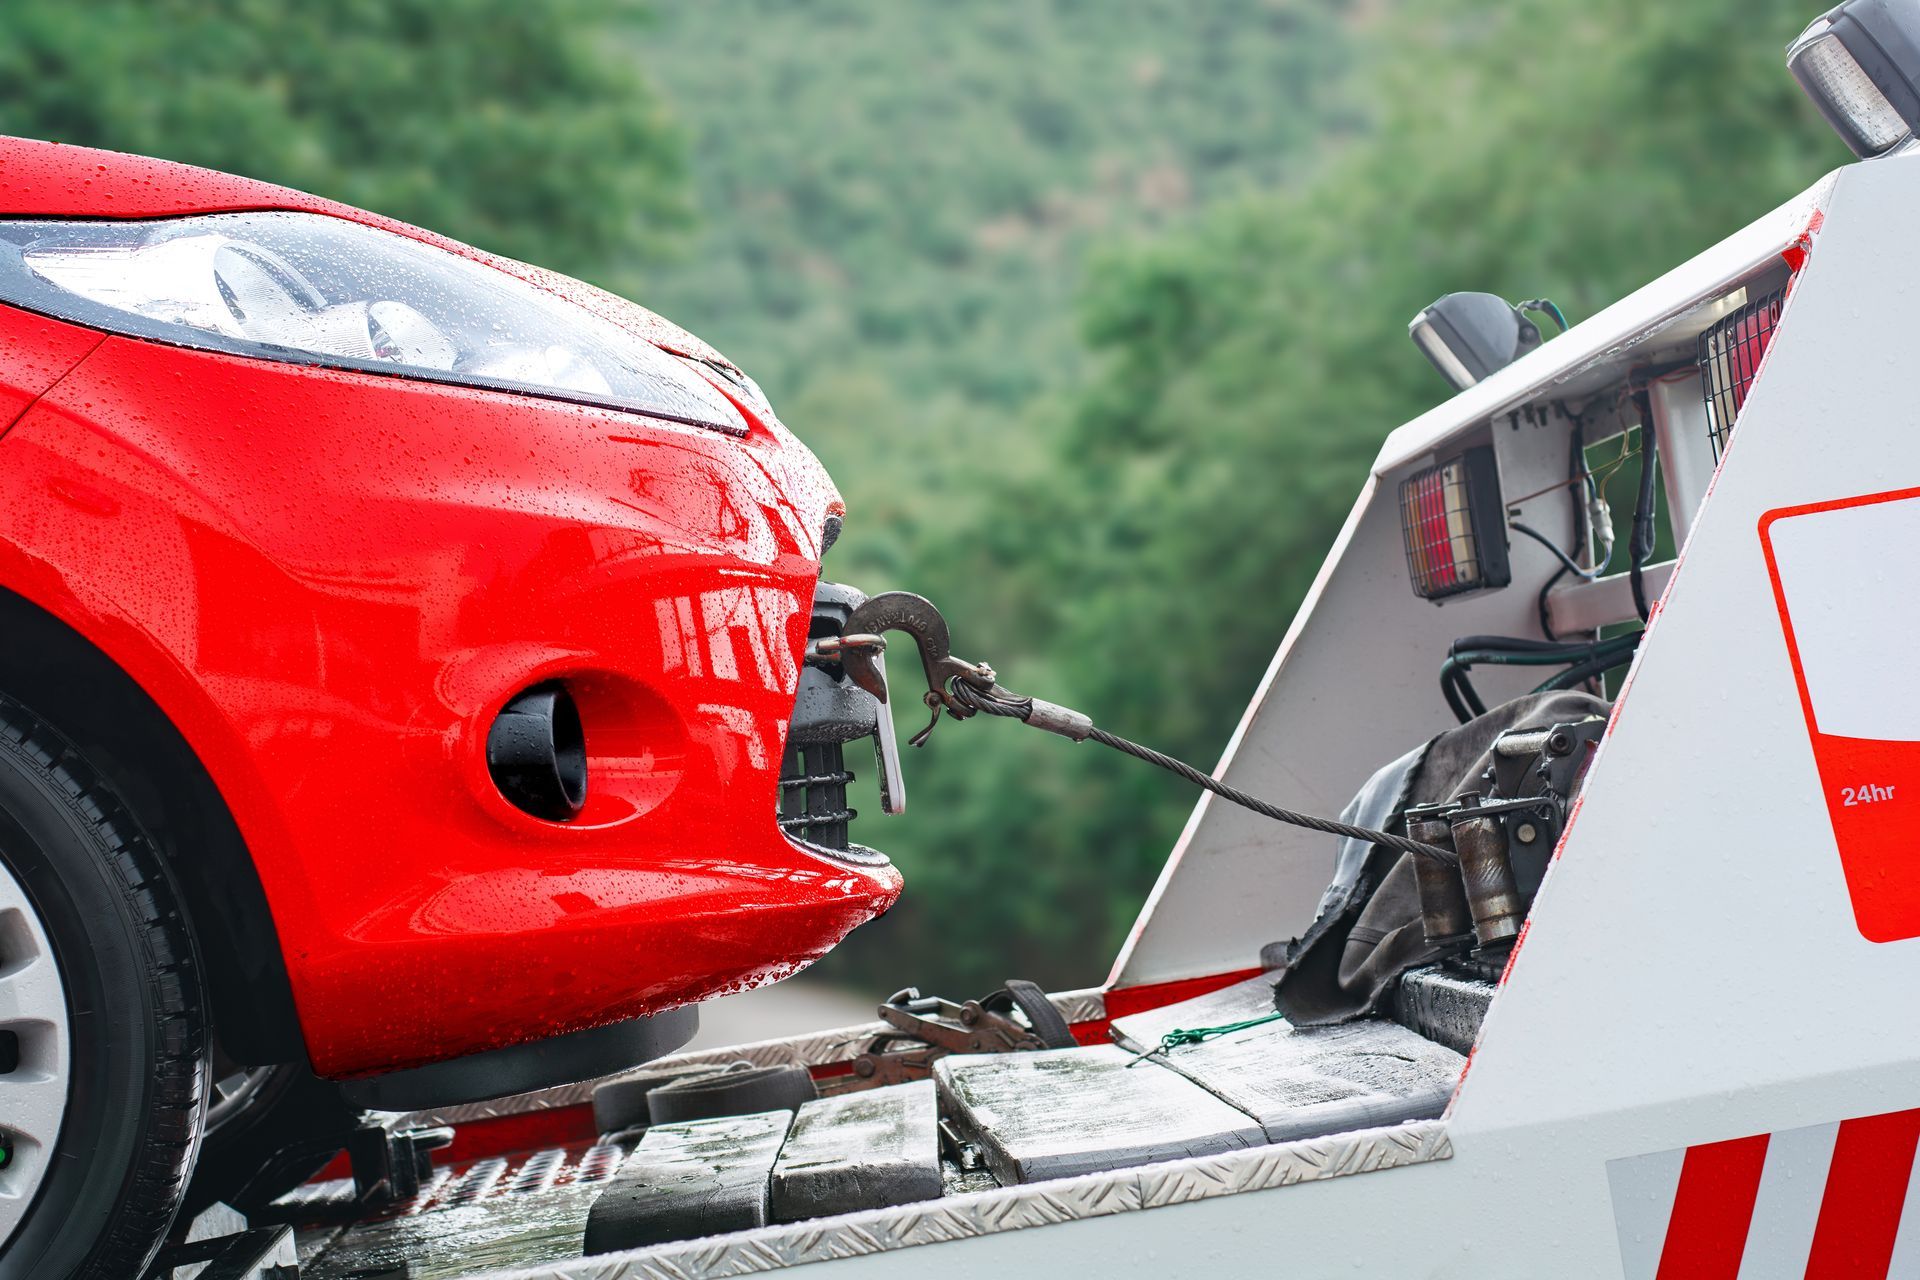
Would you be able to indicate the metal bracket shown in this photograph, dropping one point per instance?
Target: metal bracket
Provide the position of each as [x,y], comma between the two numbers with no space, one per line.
[929,1028]
[389,1164]
[263,1253]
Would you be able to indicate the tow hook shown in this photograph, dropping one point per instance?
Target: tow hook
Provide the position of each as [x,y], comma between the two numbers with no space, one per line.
[954,685]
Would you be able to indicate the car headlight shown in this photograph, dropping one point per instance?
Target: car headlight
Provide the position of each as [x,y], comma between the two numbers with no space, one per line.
[312,289]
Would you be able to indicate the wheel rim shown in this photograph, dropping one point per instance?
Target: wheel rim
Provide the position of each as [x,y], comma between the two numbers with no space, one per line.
[35,1048]
[234,1094]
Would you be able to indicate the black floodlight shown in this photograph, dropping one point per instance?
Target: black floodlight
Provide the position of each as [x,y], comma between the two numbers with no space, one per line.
[1860,63]
[1470,335]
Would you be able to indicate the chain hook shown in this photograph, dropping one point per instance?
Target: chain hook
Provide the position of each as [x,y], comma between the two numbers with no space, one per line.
[919,618]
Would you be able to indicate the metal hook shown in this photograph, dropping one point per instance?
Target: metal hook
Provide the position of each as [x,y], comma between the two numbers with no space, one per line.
[917,616]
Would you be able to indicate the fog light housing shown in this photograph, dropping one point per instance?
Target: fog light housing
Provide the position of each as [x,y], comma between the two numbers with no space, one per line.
[1860,63]
[537,753]
[1451,517]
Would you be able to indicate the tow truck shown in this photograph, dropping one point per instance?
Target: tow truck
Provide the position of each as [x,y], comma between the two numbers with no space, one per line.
[1640,1009]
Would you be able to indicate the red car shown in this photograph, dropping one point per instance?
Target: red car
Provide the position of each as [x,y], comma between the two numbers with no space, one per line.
[398,651]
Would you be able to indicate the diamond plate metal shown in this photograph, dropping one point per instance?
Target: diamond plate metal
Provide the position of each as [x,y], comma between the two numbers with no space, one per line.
[814,1049]
[1086,1005]
[1008,1209]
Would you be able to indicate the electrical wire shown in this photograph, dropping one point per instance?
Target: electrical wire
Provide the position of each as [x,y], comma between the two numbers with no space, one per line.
[1545,306]
[1462,699]
[1598,665]
[1640,545]
[1515,644]
[1470,651]
[1455,686]
[1588,505]
[1567,562]
[1602,474]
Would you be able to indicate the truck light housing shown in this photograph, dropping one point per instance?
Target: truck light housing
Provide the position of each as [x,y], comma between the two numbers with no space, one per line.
[1730,355]
[1450,516]
[1860,63]
[1470,335]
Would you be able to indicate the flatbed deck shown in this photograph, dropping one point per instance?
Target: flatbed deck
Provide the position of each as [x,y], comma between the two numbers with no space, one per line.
[512,1195]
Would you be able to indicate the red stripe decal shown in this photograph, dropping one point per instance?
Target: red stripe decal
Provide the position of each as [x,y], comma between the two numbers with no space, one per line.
[1866,1189]
[1712,1209]
[1156,995]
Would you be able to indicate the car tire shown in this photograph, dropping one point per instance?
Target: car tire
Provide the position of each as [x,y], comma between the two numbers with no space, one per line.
[268,1130]
[102,1020]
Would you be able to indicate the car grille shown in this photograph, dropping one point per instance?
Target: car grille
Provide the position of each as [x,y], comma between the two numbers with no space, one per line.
[829,712]
[813,794]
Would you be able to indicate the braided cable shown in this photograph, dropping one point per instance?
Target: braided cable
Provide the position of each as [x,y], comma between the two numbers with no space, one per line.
[997,701]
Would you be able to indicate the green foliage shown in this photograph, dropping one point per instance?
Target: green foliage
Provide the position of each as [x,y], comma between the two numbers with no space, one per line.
[897,198]
[523,128]
[898,202]
[1147,562]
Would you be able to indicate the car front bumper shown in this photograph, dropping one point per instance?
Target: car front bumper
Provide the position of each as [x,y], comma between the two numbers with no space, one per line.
[332,583]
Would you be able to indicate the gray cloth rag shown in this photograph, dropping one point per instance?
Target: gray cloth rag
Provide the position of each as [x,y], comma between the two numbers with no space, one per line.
[1368,931]
[1379,801]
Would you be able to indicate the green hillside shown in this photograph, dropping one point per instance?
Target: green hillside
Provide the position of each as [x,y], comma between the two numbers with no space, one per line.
[896,200]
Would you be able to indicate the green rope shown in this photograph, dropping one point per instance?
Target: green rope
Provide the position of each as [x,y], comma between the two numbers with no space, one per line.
[1179,1036]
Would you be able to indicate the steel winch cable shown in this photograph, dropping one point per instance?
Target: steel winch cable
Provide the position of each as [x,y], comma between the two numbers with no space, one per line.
[958,688]
[1071,724]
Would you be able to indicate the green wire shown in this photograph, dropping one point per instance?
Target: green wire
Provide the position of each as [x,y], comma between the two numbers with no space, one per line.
[1608,653]
[1548,307]
[1179,1036]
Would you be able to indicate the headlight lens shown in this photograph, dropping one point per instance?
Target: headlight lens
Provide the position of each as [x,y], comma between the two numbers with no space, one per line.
[313,289]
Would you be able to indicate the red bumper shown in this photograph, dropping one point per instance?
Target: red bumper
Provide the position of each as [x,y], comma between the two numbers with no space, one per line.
[332,582]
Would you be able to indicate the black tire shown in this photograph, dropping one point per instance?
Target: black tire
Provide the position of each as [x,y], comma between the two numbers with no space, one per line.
[276,1129]
[1050,1028]
[739,1090]
[136,1027]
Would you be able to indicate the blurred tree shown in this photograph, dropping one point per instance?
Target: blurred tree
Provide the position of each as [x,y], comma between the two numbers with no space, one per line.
[1146,565]
[524,128]
[898,195]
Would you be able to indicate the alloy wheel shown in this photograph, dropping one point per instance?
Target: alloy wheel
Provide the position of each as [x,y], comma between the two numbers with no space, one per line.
[35,1048]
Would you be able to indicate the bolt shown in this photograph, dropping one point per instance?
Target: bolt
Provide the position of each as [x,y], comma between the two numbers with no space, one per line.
[1526,833]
